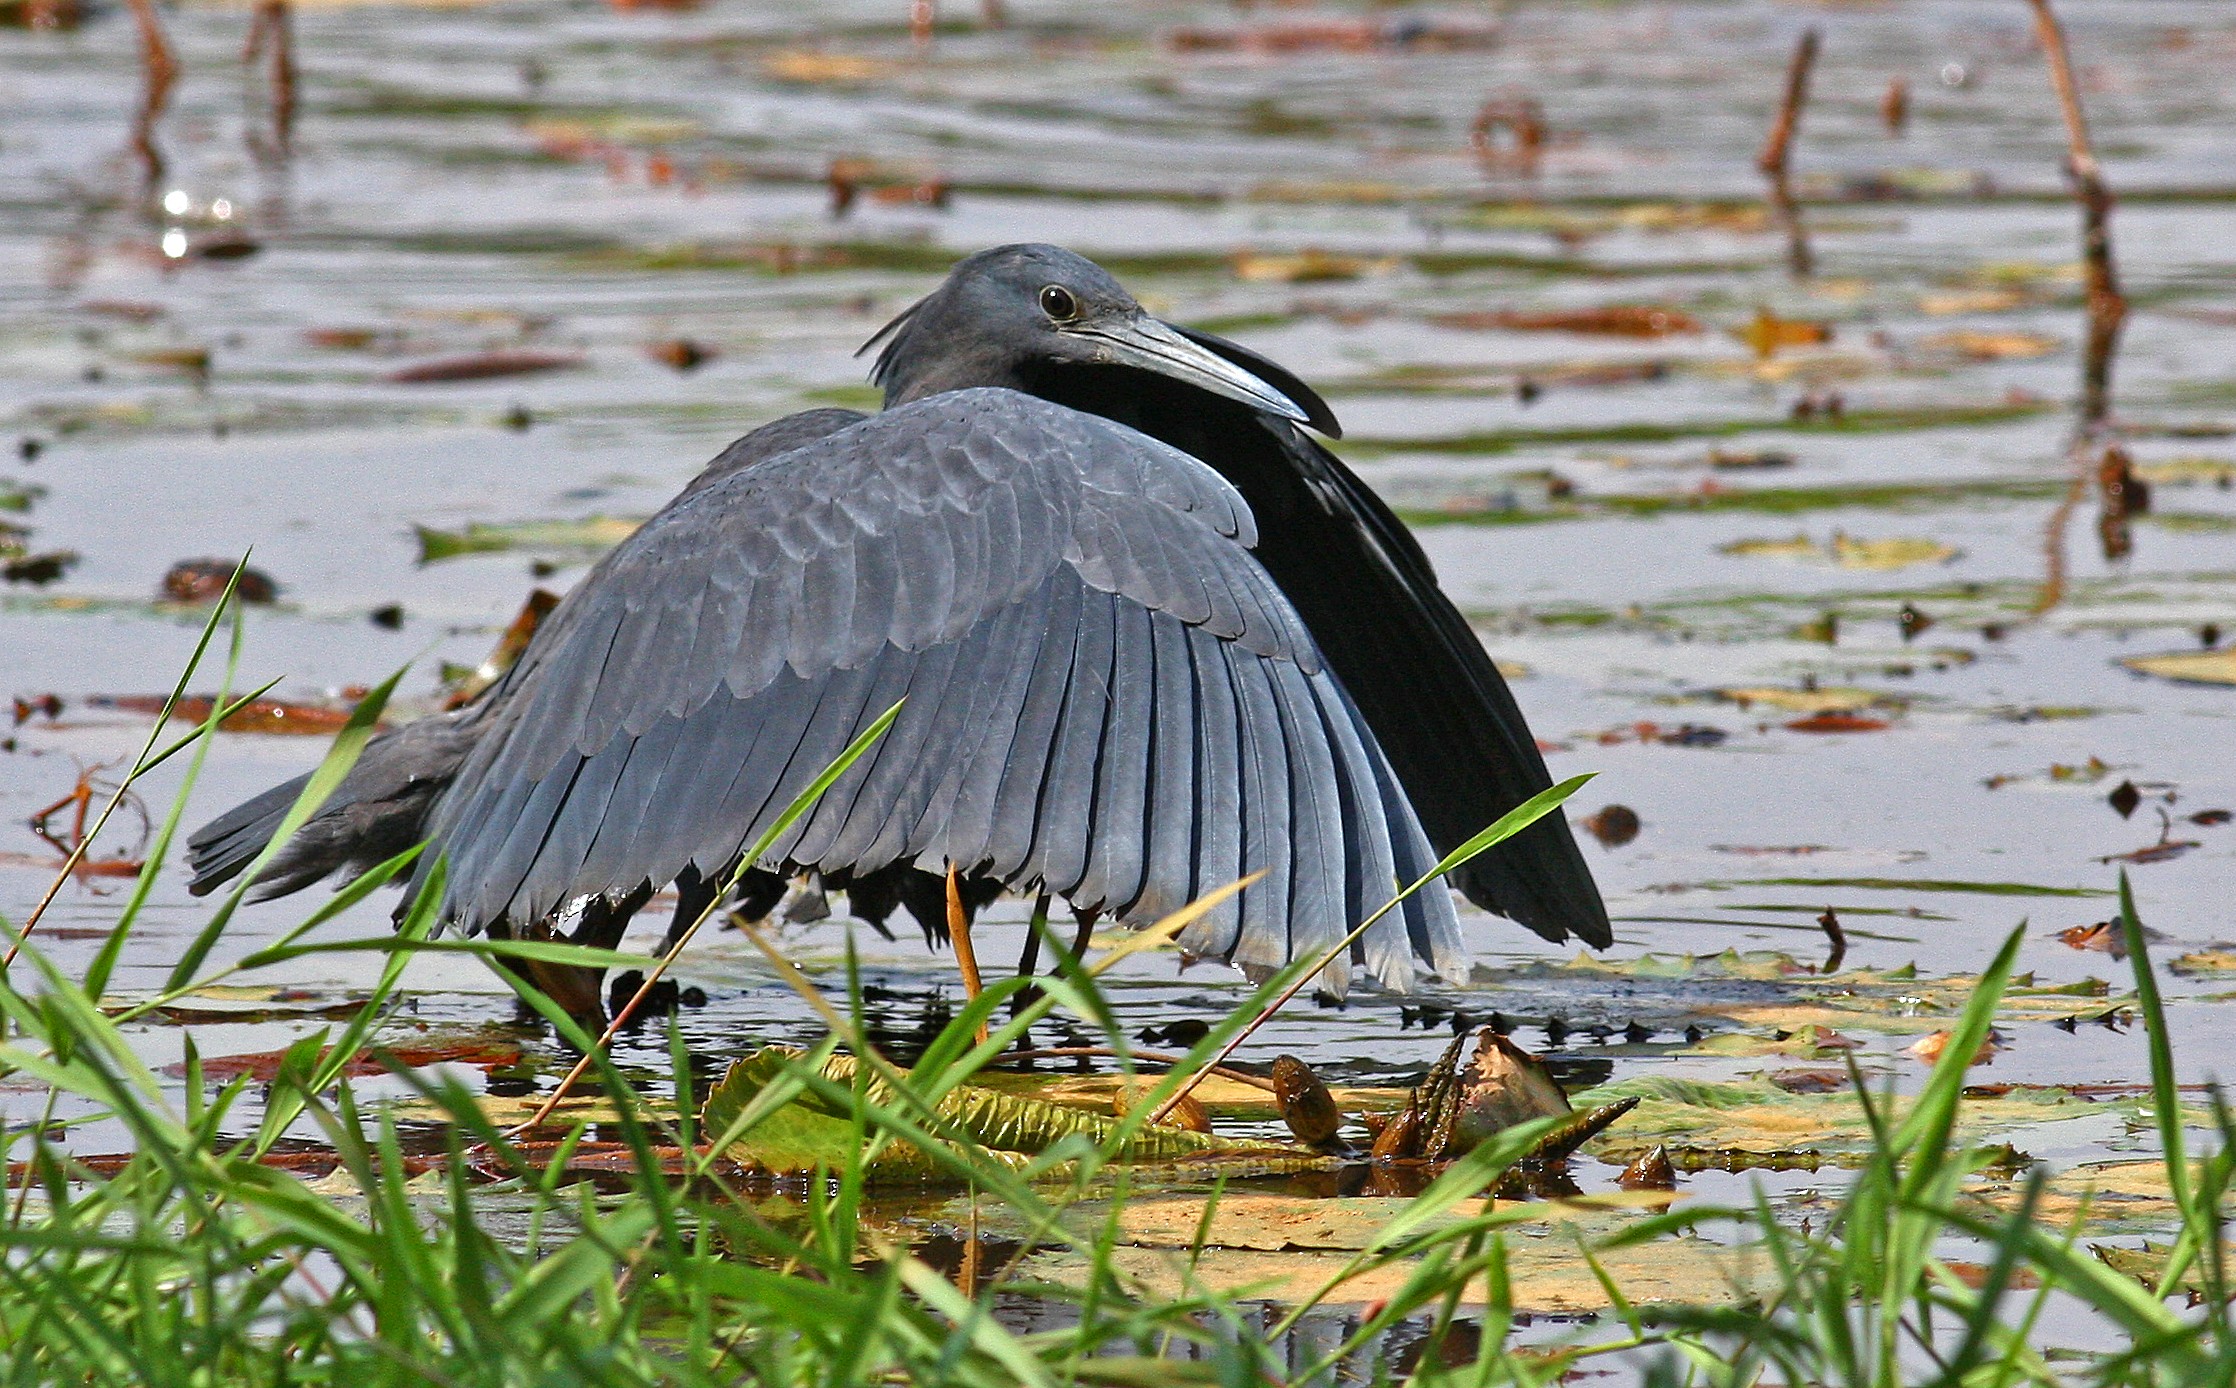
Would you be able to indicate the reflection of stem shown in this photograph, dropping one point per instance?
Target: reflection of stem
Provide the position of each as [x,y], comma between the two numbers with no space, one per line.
[2053,538]
[274,22]
[1779,147]
[160,65]
[2107,307]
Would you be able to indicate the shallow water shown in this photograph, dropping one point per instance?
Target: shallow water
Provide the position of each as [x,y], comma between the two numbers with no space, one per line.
[569,179]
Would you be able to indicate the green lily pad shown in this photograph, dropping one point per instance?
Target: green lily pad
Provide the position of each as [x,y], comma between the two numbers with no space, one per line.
[811,1133]
[593,535]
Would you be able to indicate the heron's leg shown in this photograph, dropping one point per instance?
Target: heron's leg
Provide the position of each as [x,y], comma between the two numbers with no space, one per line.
[958,931]
[1028,963]
[693,895]
[1086,933]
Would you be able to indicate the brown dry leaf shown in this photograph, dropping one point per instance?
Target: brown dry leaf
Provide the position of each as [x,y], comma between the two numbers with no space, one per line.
[1831,722]
[680,353]
[2104,937]
[1970,301]
[1616,320]
[1974,345]
[1741,218]
[1614,826]
[256,716]
[204,580]
[1929,1047]
[798,65]
[195,361]
[483,366]
[1768,334]
[264,1065]
[1308,267]
[2190,667]
[1651,1171]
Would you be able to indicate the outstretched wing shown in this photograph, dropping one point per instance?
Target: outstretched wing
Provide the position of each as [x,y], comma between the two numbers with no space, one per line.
[1104,694]
[1366,589]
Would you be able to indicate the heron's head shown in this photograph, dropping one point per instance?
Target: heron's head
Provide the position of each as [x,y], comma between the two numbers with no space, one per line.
[1019,316]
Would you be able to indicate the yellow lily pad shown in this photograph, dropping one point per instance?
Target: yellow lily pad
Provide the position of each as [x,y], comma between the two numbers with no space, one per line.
[1548,1271]
[1974,345]
[1847,551]
[1899,552]
[2181,472]
[2190,667]
[1823,699]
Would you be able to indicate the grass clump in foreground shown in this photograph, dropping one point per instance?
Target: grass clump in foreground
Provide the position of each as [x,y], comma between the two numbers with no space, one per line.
[197,1261]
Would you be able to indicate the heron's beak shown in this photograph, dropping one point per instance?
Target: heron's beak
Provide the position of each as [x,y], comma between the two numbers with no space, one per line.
[1148,345]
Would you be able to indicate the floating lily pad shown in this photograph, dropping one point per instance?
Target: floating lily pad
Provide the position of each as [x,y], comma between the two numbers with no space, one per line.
[1312,1245]
[1847,551]
[595,534]
[2189,667]
[1824,699]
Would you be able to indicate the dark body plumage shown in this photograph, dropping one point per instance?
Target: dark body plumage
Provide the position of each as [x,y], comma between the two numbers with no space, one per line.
[1106,694]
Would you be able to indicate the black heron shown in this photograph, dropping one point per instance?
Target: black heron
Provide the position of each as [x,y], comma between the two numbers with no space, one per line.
[1004,510]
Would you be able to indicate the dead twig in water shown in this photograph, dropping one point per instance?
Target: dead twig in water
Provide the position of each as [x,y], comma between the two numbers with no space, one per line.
[1777,151]
[2107,307]
[1839,938]
[159,64]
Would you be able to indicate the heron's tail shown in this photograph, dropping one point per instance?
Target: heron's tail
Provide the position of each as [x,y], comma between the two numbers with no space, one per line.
[222,849]
[379,810]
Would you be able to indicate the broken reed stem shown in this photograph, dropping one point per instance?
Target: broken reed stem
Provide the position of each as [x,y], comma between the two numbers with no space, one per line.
[159,65]
[1779,146]
[2107,307]
[1778,150]
[1829,922]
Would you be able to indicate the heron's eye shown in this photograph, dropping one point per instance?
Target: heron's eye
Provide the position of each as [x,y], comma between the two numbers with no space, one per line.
[1057,302]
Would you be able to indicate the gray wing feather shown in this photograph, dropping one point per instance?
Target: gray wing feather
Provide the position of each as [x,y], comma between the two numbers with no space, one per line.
[1018,795]
[1218,818]
[1104,693]
[1114,865]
